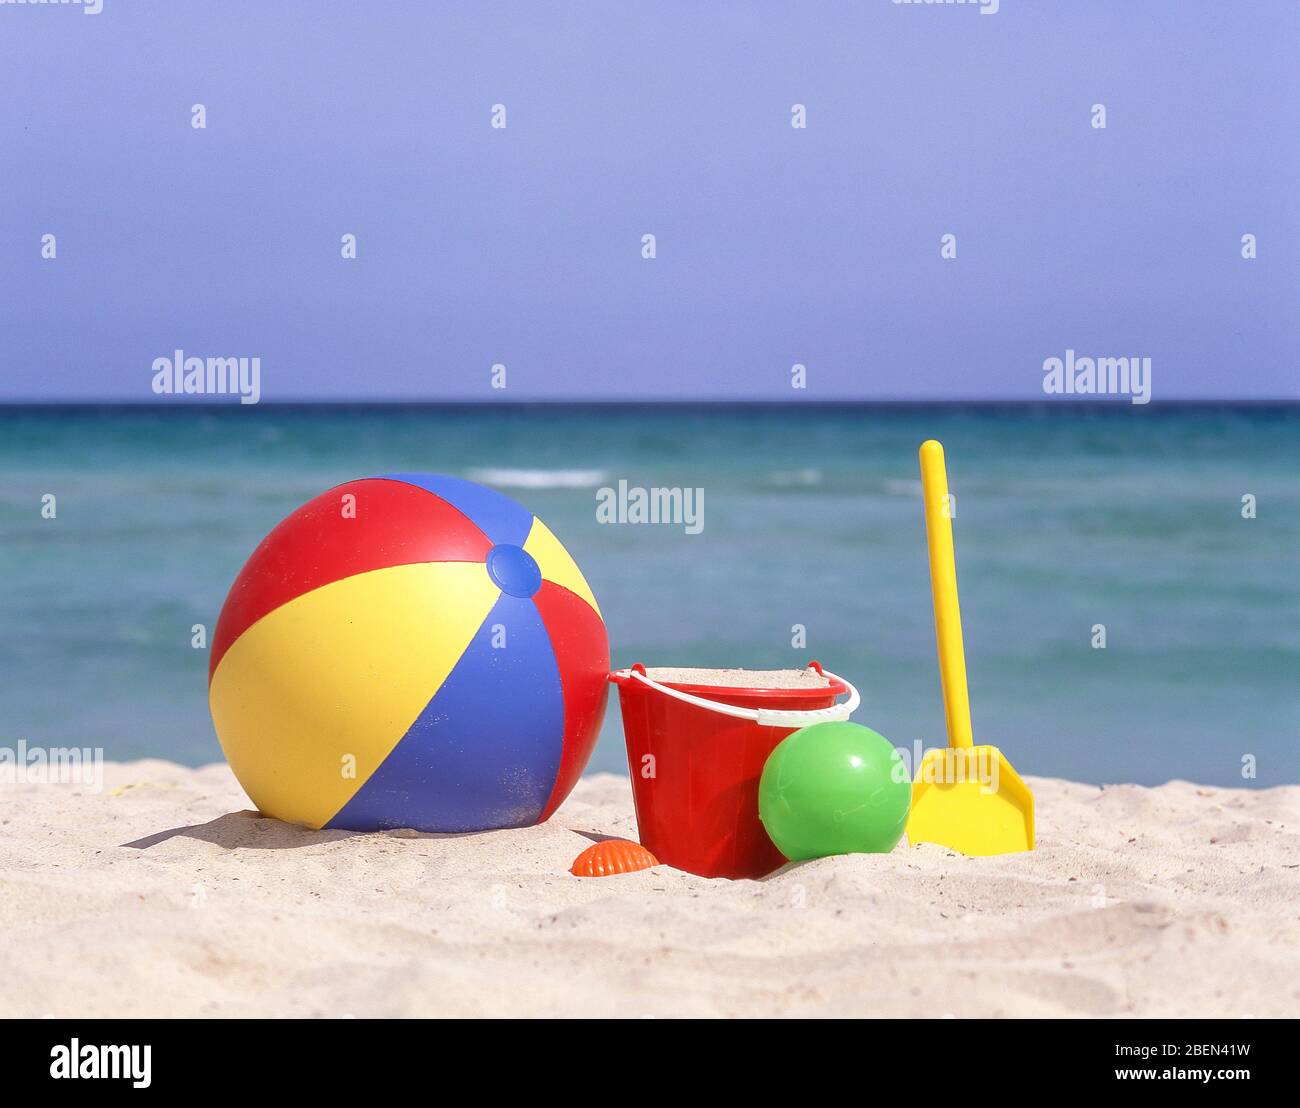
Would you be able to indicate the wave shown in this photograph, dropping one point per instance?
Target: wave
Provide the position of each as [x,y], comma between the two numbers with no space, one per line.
[503,478]
[795,478]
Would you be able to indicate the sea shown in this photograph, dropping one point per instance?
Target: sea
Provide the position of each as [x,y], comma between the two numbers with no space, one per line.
[1129,575]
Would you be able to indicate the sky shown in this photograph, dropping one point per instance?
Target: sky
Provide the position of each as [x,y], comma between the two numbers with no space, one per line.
[774,246]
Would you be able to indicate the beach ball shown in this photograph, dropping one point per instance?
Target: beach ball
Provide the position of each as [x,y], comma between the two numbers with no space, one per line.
[834,788]
[409,651]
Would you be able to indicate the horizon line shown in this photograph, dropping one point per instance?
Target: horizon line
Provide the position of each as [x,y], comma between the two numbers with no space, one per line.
[1095,403]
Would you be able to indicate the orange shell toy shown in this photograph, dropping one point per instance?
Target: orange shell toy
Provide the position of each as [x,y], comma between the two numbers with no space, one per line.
[610,857]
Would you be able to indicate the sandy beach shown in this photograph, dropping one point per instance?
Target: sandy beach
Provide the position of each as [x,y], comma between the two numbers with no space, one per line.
[163,895]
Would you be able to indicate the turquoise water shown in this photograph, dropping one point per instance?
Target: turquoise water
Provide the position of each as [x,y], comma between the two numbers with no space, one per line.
[1067,517]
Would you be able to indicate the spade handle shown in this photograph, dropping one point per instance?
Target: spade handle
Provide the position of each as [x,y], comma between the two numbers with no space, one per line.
[943,584]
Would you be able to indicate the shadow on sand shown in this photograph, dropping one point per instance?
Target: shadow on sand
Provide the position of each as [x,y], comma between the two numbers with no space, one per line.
[249,830]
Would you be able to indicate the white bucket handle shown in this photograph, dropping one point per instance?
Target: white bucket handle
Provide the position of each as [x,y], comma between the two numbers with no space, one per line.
[764,717]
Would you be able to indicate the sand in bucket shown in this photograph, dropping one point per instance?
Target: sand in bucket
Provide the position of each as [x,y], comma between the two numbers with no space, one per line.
[695,771]
[740,678]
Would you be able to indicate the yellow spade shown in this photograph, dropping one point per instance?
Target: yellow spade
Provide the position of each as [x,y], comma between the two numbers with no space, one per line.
[967,797]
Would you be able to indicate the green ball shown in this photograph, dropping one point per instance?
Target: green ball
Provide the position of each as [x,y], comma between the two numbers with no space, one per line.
[834,788]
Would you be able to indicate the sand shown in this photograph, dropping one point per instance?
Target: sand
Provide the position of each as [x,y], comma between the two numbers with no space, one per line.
[163,895]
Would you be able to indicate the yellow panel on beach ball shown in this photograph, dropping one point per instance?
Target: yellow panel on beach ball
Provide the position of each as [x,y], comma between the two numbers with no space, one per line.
[557,564]
[312,697]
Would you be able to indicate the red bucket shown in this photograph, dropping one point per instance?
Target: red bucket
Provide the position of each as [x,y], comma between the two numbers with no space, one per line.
[696,753]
